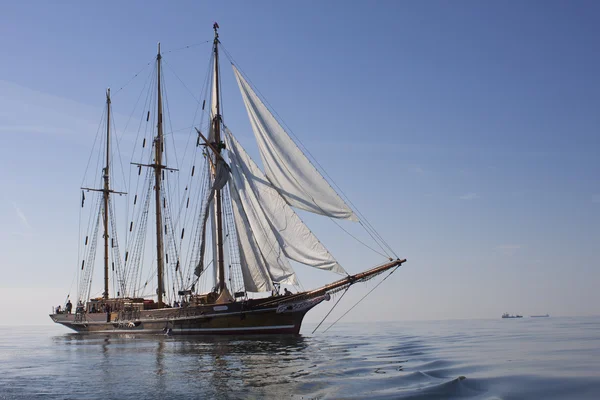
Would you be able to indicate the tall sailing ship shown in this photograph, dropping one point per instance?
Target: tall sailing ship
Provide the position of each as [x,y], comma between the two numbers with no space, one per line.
[245,214]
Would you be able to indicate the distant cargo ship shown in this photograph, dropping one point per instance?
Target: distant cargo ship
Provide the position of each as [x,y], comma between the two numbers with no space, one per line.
[507,315]
[540,316]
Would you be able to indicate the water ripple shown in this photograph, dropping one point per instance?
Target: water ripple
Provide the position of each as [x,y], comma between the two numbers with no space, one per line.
[551,359]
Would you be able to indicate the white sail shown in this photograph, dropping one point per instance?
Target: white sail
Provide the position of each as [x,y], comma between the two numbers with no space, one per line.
[288,169]
[258,241]
[294,237]
[254,267]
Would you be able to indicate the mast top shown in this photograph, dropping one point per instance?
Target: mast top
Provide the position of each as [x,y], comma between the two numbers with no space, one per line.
[108,95]
[158,56]
[216,28]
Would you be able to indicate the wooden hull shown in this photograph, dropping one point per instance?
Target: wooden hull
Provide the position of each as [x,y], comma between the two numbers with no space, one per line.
[271,315]
[240,318]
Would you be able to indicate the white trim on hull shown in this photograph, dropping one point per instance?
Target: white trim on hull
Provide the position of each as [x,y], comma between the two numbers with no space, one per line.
[253,328]
[183,331]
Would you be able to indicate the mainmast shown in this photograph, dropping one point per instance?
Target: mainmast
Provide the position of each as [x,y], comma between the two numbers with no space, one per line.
[106,193]
[158,169]
[217,131]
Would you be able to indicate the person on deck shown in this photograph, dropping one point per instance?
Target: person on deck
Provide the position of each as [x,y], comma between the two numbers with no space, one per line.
[286,292]
[275,291]
[69,307]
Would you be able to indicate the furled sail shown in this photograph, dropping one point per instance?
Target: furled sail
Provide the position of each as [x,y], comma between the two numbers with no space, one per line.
[294,238]
[213,101]
[213,232]
[211,139]
[286,167]
[221,178]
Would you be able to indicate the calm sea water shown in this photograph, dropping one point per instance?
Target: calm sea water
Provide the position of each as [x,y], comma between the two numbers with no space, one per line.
[544,358]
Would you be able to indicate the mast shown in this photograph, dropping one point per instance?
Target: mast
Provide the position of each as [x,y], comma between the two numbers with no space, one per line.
[158,167]
[217,130]
[106,193]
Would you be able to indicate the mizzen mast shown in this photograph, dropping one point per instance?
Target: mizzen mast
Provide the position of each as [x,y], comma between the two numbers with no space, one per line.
[106,191]
[217,135]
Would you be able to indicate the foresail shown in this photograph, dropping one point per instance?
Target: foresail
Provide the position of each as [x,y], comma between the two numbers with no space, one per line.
[293,236]
[286,166]
[258,244]
[254,267]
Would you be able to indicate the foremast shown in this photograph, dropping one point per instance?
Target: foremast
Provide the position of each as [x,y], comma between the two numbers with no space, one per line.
[106,193]
[158,170]
[216,122]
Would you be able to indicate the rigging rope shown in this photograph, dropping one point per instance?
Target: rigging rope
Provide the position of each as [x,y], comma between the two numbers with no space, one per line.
[133,77]
[182,82]
[93,147]
[228,55]
[149,80]
[358,302]
[332,308]
[187,47]
[117,141]
[169,222]
[204,92]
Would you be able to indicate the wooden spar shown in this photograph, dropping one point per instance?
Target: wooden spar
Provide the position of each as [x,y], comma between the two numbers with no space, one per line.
[217,131]
[158,146]
[106,193]
[352,279]
[217,153]
[348,281]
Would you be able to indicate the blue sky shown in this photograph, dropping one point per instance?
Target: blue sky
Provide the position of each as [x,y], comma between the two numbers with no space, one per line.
[467,132]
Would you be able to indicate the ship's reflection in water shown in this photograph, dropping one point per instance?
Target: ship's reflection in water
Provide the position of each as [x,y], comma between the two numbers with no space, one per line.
[259,366]
[188,367]
[529,359]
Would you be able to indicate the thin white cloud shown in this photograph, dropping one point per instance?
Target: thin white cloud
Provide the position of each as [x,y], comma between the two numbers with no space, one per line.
[22,217]
[469,196]
[509,249]
[416,169]
[45,114]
